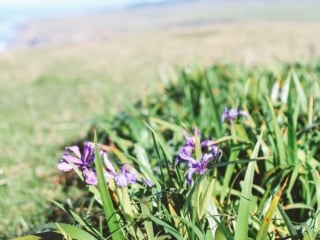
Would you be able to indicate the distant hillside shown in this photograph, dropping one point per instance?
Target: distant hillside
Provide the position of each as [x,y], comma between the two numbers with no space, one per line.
[161,15]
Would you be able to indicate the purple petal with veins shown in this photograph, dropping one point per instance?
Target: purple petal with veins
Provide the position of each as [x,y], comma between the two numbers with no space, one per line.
[90,176]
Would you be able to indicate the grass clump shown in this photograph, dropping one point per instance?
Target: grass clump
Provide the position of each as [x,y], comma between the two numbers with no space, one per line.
[254,175]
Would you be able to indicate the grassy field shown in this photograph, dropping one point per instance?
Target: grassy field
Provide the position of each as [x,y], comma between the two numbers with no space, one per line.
[50,94]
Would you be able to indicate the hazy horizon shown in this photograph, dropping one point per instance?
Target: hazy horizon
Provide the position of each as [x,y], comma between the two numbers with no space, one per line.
[15,13]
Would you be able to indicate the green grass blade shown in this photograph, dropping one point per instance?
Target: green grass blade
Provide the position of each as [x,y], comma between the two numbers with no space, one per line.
[194,228]
[164,162]
[206,197]
[159,140]
[126,207]
[168,228]
[310,111]
[317,214]
[107,204]
[281,149]
[143,162]
[229,173]
[292,230]
[78,219]
[48,235]
[292,125]
[301,96]
[210,75]
[147,224]
[167,124]
[263,231]
[222,232]
[74,232]
[213,220]
[241,232]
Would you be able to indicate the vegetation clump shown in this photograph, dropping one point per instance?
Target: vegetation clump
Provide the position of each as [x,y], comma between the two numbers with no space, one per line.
[254,176]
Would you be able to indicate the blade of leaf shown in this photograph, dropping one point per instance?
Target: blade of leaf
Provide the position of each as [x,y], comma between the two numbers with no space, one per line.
[148,224]
[292,115]
[207,198]
[75,232]
[78,219]
[279,140]
[246,196]
[292,230]
[263,231]
[166,226]
[108,208]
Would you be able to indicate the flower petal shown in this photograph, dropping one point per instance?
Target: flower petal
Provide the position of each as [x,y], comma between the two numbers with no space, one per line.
[229,115]
[190,172]
[71,159]
[121,180]
[74,150]
[88,153]
[90,176]
[64,166]
[108,164]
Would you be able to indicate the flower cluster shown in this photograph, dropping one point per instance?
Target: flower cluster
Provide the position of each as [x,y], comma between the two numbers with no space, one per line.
[209,151]
[229,115]
[84,162]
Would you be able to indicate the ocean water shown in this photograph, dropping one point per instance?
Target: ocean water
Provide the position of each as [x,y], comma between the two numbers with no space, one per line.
[14,14]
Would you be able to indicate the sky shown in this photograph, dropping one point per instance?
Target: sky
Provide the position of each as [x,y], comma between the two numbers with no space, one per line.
[13,13]
[23,4]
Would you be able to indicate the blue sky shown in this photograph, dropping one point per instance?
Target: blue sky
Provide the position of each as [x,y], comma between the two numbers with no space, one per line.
[26,9]
[23,4]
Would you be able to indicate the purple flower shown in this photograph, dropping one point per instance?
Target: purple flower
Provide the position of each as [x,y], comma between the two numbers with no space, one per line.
[72,156]
[229,115]
[125,177]
[185,154]
[209,151]
[109,172]
[84,162]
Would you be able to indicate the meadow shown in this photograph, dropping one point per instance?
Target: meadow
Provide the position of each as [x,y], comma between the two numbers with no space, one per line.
[51,96]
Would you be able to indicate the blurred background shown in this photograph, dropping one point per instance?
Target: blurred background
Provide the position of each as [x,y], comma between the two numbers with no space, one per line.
[64,63]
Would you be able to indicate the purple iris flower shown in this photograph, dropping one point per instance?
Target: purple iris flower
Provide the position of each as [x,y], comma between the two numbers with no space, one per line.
[125,177]
[109,170]
[209,151]
[229,115]
[83,161]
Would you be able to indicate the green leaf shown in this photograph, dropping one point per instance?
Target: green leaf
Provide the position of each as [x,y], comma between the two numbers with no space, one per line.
[167,227]
[301,96]
[194,228]
[229,173]
[292,116]
[263,231]
[75,232]
[280,147]
[291,228]
[107,204]
[206,197]
[144,163]
[211,212]
[50,235]
[241,232]
[80,220]
[148,224]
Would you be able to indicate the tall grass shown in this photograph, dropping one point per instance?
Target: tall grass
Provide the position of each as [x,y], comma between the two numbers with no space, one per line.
[266,184]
